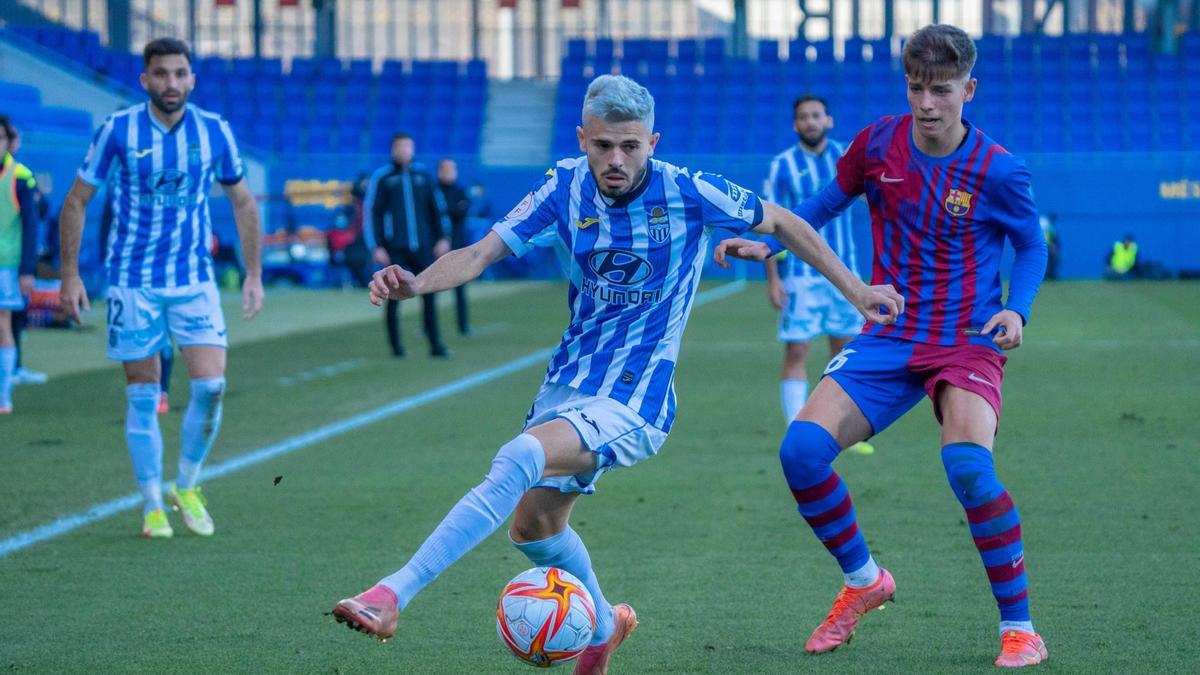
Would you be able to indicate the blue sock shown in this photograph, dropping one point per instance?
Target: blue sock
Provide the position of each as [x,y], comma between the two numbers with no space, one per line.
[144,439]
[8,357]
[994,524]
[199,428]
[807,455]
[566,551]
[517,466]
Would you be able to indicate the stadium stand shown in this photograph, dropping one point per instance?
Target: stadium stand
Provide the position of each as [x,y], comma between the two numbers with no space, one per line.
[313,105]
[1079,92]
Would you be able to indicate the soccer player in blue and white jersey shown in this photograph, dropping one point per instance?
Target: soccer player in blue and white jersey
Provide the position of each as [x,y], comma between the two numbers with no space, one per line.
[808,304]
[632,233]
[166,153]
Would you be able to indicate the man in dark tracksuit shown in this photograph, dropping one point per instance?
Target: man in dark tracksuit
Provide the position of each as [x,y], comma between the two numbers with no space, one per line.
[404,226]
[457,204]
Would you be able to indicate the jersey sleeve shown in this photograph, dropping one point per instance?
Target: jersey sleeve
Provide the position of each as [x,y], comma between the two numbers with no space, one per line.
[725,204]
[852,166]
[531,223]
[229,170]
[1016,212]
[101,154]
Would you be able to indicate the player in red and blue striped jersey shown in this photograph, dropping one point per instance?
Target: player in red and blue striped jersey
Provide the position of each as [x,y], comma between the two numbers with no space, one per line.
[943,198]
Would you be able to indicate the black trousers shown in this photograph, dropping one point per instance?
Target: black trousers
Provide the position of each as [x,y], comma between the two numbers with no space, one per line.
[458,239]
[416,262]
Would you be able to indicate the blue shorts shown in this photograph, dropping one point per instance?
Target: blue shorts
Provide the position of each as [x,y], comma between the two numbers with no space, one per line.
[887,376]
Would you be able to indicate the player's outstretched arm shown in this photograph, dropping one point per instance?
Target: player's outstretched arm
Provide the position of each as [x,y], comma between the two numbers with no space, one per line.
[72,295]
[245,214]
[449,271]
[879,304]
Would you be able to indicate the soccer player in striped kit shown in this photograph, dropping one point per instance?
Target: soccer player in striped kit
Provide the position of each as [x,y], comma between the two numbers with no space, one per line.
[632,233]
[167,153]
[808,304]
[943,198]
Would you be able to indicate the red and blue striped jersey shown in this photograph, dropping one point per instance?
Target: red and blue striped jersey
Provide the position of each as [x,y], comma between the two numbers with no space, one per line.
[938,227]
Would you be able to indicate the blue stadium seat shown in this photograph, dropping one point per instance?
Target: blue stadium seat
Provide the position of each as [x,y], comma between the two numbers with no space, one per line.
[714,50]
[768,51]
[576,50]
[605,50]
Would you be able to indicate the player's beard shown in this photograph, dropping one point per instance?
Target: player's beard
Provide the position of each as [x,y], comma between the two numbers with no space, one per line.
[814,142]
[169,108]
[630,185]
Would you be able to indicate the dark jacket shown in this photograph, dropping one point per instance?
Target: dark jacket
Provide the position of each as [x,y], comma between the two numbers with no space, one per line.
[397,195]
[457,205]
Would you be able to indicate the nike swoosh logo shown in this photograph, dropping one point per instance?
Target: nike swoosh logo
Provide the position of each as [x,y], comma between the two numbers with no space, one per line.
[142,153]
[975,378]
[222,333]
[884,179]
[1018,561]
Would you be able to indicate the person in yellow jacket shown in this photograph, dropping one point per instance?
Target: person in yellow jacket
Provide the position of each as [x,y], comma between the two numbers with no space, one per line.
[18,253]
[1122,261]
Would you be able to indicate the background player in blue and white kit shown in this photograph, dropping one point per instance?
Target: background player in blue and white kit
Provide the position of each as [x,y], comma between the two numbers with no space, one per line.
[166,153]
[632,233]
[808,304]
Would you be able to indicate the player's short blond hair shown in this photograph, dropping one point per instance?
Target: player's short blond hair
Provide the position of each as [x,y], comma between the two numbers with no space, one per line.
[616,98]
[937,53]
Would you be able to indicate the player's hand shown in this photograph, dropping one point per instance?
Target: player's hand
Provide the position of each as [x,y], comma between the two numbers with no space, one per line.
[25,283]
[1008,325]
[777,294]
[392,283]
[441,248]
[744,249]
[73,299]
[252,296]
[879,304]
[381,256]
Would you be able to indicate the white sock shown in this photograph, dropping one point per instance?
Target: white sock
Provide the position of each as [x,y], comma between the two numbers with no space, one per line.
[1023,626]
[793,394]
[863,576]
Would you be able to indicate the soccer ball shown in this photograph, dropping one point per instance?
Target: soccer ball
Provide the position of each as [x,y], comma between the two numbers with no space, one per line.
[545,616]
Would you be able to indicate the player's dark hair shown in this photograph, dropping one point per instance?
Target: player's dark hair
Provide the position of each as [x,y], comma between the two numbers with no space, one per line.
[165,47]
[806,98]
[6,124]
[400,136]
[937,53]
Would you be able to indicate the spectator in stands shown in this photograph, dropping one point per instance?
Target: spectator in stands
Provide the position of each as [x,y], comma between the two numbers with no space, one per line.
[457,205]
[18,253]
[1049,223]
[403,225]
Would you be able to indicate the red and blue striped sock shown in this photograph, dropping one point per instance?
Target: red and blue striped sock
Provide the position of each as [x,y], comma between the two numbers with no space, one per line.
[994,524]
[807,453]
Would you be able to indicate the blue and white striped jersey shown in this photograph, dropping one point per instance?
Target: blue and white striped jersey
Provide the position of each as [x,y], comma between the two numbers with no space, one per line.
[796,175]
[633,265]
[161,227]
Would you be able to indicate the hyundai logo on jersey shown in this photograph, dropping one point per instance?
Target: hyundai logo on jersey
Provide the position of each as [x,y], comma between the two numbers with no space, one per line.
[170,181]
[619,268]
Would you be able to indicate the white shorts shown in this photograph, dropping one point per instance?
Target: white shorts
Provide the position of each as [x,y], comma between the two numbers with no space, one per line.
[10,290]
[815,307]
[140,319]
[618,435]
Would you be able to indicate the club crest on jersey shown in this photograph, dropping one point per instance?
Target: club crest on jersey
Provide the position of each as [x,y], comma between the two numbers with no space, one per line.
[958,202]
[659,224]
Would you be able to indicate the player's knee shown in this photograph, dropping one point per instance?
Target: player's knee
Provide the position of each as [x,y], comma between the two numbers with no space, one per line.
[970,470]
[143,397]
[523,456]
[806,453]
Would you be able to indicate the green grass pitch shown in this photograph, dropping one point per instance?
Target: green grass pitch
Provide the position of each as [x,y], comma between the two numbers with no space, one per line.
[1098,447]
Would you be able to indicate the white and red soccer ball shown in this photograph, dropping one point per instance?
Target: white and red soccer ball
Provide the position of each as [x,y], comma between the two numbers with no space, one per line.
[545,617]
